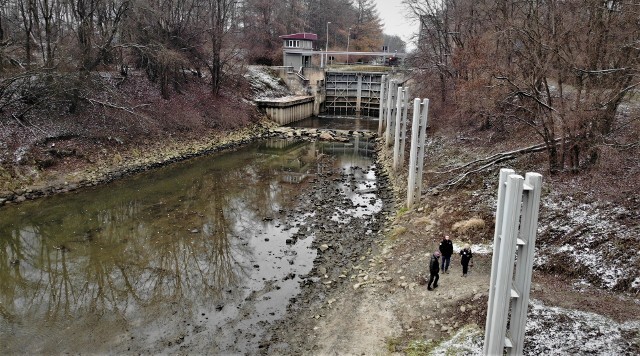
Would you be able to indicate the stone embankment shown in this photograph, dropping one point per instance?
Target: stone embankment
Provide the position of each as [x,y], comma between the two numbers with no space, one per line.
[127,162]
[132,162]
[319,134]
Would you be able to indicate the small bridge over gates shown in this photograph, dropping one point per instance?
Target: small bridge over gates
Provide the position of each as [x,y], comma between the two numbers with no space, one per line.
[336,82]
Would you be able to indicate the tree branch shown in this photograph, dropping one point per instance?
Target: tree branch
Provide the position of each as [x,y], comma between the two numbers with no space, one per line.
[489,162]
[113,106]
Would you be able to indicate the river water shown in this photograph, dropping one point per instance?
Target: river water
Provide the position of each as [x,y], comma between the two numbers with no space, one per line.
[198,256]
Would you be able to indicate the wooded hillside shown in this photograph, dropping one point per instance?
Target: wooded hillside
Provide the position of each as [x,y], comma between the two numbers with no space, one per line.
[92,75]
[567,71]
[170,39]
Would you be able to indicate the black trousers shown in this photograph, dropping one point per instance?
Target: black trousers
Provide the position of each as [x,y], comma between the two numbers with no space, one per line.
[433,278]
[465,267]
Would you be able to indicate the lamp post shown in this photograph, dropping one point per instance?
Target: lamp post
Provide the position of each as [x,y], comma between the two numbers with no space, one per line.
[326,46]
[348,38]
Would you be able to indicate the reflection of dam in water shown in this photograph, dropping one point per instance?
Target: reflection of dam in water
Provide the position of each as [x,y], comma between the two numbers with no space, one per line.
[193,252]
[296,157]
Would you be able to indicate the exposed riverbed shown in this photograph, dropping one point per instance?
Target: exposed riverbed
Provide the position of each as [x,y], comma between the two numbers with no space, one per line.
[199,256]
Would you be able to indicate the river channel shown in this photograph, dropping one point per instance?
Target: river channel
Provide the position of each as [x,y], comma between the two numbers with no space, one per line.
[199,256]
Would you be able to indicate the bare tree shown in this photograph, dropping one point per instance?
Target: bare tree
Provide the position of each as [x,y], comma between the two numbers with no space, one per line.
[27,11]
[99,25]
[560,68]
[221,27]
[263,23]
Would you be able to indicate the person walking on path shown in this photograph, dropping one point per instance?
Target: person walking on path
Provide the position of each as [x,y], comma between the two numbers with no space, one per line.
[446,249]
[465,258]
[434,270]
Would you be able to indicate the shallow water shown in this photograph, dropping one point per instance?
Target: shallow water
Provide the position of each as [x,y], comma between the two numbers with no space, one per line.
[363,123]
[193,257]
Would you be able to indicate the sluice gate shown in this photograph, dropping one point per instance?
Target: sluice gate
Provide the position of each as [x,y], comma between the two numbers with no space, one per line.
[353,93]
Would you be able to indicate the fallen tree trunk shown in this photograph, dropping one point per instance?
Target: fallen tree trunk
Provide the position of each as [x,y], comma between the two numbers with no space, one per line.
[484,163]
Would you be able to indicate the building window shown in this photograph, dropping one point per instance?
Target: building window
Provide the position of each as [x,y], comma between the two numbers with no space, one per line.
[293,43]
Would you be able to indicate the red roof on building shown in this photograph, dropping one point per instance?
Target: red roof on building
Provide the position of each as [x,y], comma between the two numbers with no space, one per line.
[301,36]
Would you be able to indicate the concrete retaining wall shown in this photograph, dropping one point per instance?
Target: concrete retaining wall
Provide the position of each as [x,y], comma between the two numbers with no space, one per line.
[287,110]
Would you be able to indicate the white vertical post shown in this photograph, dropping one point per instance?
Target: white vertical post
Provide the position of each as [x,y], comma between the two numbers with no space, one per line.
[390,97]
[405,123]
[413,153]
[422,140]
[381,112]
[524,269]
[397,135]
[502,187]
[505,291]
[502,295]
[359,94]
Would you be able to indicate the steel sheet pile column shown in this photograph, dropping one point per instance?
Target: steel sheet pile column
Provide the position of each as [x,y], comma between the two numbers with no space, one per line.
[524,267]
[382,110]
[515,229]
[398,129]
[508,235]
[422,140]
[416,154]
[390,100]
[405,122]
[502,187]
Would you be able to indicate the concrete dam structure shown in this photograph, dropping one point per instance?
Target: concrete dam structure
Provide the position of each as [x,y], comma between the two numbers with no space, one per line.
[336,93]
[288,109]
[353,93]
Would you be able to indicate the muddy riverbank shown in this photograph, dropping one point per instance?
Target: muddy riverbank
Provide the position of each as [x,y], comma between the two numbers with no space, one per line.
[101,170]
[195,257]
[380,304]
[365,293]
[103,166]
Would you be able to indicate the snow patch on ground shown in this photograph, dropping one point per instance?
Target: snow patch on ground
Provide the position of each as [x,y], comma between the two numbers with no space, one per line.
[589,236]
[19,154]
[467,341]
[480,249]
[555,331]
[265,84]
[559,331]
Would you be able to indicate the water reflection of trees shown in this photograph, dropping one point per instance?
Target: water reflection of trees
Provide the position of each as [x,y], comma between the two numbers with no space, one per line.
[117,251]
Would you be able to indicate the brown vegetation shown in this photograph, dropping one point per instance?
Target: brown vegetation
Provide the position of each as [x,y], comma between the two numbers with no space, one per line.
[81,78]
[114,117]
[558,70]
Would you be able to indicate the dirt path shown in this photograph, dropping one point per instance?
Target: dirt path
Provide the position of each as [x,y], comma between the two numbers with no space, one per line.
[377,302]
[397,308]
[381,303]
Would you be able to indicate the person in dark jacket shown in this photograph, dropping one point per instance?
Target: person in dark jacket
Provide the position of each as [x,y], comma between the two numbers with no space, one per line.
[465,258]
[434,270]
[446,249]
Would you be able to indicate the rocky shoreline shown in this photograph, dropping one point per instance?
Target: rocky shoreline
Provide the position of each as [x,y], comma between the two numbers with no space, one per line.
[97,174]
[345,243]
[348,209]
